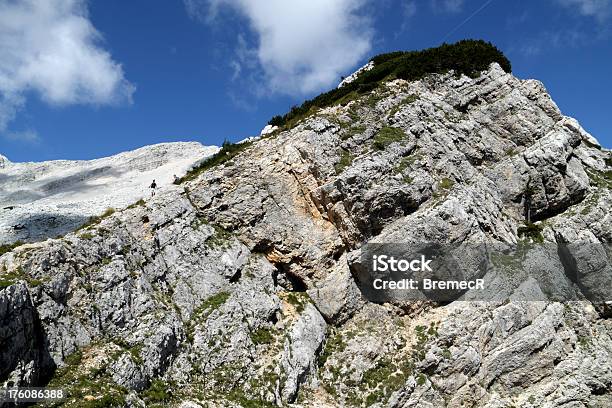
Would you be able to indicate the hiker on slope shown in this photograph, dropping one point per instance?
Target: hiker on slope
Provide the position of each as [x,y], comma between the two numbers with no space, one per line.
[153,186]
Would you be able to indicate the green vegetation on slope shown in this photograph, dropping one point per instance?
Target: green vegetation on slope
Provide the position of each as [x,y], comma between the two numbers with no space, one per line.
[467,57]
[228,151]
[346,158]
[9,247]
[388,135]
[531,231]
[10,278]
[96,219]
[85,387]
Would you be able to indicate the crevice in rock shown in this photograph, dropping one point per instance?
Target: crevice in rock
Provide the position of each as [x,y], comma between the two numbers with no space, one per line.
[540,348]
[598,389]
[554,211]
[275,277]
[297,283]
[288,279]
[464,107]
[567,261]
[379,219]
[273,318]
[28,343]
[236,277]
[263,246]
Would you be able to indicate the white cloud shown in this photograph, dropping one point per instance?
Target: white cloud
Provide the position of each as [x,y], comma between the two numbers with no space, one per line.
[302,46]
[25,136]
[547,40]
[447,6]
[10,103]
[600,9]
[409,9]
[50,48]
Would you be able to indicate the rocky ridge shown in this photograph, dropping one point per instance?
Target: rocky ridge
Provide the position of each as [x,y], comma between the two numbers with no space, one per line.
[237,289]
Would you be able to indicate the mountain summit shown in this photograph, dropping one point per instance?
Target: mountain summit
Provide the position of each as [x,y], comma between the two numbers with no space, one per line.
[241,287]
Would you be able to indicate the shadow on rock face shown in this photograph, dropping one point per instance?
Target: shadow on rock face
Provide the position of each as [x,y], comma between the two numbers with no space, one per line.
[26,189]
[77,182]
[21,196]
[40,226]
[25,361]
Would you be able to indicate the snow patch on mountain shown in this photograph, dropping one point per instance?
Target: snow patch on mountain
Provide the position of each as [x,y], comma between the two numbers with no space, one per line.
[355,74]
[47,199]
[3,161]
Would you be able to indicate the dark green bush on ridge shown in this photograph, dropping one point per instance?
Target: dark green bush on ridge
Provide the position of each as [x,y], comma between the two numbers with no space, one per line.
[467,57]
[276,121]
[228,151]
[388,135]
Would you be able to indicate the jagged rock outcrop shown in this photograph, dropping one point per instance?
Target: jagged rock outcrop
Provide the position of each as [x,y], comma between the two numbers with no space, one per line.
[24,358]
[237,288]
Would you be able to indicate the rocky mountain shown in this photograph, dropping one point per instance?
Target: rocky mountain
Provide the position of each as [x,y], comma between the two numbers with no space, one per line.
[48,199]
[238,289]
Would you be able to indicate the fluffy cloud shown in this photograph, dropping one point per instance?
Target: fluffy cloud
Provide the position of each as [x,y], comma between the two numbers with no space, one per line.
[600,9]
[26,136]
[50,48]
[302,46]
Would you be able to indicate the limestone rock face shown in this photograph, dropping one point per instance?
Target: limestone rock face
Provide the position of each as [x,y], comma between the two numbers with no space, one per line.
[304,343]
[23,357]
[237,288]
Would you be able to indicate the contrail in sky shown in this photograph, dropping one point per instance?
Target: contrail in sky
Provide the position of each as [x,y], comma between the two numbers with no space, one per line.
[466,20]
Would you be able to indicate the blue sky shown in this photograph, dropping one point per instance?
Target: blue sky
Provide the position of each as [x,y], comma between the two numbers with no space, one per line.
[86,79]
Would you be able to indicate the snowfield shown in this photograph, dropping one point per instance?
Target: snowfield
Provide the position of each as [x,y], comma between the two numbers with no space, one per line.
[47,199]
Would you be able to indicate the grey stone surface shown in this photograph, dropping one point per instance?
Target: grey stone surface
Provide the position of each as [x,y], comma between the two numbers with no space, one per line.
[300,350]
[236,288]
